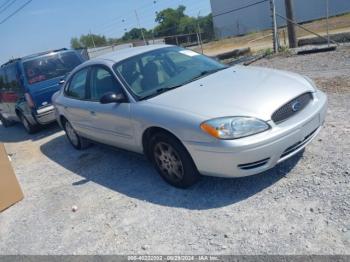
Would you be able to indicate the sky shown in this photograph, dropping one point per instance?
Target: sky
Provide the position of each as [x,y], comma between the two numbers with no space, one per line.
[49,24]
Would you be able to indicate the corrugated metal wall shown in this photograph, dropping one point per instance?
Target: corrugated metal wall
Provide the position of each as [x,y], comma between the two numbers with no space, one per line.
[258,17]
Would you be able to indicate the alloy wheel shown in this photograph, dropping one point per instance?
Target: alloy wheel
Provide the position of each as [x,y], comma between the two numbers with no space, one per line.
[168,161]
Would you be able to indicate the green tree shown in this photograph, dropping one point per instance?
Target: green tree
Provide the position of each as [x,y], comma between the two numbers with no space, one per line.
[75,43]
[169,21]
[114,41]
[135,34]
[187,25]
[88,41]
[207,26]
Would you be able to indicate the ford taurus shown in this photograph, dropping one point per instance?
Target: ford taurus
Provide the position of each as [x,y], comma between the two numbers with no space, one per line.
[188,113]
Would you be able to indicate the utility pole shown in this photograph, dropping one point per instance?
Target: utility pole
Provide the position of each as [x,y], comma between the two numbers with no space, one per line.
[274,26]
[138,21]
[327,14]
[92,38]
[155,13]
[291,28]
[199,32]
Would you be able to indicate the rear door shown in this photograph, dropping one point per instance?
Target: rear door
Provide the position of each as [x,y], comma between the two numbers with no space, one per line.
[75,106]
[109,123]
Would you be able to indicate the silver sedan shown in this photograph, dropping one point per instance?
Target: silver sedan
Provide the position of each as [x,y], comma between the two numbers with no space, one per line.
[189,114]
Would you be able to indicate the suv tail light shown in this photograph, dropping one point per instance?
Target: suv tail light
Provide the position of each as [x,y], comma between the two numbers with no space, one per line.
[29,100]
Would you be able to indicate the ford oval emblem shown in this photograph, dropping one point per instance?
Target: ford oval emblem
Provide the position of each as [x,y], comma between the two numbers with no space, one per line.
[296,106]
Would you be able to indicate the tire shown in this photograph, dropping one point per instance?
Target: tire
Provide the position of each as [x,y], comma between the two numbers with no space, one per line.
[76,141]
[30,128]
[172,161]
[5,123]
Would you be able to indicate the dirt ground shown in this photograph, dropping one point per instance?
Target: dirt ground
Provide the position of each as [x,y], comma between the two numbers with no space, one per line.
[263,40]
[300,207]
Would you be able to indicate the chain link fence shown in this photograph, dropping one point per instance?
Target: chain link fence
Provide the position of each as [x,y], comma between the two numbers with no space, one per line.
[250,23]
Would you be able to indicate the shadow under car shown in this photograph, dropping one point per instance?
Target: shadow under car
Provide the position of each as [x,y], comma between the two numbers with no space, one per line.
[132,175]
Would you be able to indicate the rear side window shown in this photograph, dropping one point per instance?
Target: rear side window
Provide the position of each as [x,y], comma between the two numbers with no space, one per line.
[50,66]
[77,86]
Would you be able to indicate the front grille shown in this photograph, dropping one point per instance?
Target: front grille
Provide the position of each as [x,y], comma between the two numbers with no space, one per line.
[292,108]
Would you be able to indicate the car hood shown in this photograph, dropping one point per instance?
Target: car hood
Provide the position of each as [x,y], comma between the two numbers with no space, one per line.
[236,91]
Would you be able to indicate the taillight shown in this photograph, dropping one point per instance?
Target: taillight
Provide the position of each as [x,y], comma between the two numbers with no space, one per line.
[29,100]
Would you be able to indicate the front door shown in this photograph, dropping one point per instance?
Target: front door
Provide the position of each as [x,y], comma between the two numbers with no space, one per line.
[110,123]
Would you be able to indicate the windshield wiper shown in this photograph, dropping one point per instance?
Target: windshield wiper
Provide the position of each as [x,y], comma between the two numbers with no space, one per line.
[166,89]
[205,73]
[160,91]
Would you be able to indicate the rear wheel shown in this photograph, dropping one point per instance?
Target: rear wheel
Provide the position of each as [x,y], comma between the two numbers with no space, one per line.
[4,121]
[172,161]
[77,141]
[30,128]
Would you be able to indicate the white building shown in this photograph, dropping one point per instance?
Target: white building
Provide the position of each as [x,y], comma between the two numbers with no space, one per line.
[258,17]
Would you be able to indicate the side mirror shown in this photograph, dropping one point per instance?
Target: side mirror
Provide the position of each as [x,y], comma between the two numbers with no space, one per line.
[112,97]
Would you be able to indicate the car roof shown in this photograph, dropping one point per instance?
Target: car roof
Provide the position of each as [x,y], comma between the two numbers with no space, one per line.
[113,57]
[119,55]
[32,56]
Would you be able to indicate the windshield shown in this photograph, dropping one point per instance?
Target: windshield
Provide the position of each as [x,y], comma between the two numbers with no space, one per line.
[50,66]
[157,71]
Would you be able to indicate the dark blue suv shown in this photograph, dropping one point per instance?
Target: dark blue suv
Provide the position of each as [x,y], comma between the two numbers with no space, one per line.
[27,85]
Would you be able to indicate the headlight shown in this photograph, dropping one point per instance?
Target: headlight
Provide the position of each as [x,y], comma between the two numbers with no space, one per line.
[234,127]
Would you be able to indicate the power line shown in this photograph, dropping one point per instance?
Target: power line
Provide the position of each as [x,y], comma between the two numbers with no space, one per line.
[240,8]
[108,27]
[15,12]
[123,17]
[7,6]
[5,3]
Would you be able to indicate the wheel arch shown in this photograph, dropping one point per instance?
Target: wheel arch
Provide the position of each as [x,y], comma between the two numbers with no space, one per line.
[61,120]
[18,111]
[151,131]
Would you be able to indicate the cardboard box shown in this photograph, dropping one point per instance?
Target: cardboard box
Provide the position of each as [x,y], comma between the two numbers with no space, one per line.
[10,191]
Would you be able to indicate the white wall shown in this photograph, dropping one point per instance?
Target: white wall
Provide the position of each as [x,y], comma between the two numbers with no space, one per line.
[258,17]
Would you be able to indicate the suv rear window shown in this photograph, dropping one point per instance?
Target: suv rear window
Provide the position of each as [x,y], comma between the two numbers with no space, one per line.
[50,66]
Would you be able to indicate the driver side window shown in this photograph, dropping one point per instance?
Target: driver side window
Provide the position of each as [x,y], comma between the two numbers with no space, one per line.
[102,82]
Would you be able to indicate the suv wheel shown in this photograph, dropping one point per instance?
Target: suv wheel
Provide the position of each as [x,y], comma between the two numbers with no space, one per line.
[4,121]
[77,141]
[172,161]
[31,129]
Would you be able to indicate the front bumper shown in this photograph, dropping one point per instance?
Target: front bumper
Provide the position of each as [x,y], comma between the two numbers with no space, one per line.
[45,115]
[258,153]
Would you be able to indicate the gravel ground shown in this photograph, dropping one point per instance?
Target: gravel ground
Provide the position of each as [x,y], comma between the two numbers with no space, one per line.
[300,207]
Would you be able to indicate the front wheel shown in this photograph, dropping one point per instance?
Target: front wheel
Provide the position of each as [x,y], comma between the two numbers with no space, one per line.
[77,141]
[172,161]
